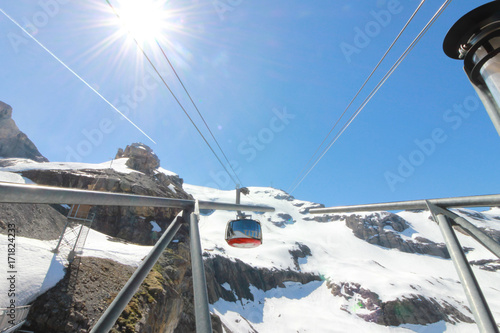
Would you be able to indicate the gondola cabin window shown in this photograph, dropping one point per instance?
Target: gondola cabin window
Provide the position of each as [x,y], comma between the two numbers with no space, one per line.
[244,233]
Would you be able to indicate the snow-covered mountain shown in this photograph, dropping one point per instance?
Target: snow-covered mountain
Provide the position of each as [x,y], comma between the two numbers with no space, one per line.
[361,280]
[369,272]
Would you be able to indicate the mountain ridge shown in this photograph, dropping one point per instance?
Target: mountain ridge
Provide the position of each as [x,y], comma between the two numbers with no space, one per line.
[375,271]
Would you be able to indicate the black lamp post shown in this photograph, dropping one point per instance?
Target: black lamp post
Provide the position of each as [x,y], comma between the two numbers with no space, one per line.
[475,38]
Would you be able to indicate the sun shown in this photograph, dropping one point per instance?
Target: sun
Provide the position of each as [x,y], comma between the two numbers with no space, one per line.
[144,20]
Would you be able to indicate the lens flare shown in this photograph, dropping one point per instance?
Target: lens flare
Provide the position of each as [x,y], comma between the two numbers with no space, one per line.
[144,20]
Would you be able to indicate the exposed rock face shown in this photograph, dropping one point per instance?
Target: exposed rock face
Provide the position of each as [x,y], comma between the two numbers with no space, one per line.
[240,276]
[302,251]
[158,306]
[384,230]
[284,220]
[159,303]
[163,303]
[76,311]
[129,223]
[13,142]
[32,220]
[414,309]
[491,265]
[140,158]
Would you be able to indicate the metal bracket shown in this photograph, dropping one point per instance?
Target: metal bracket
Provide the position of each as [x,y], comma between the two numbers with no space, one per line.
[477,302]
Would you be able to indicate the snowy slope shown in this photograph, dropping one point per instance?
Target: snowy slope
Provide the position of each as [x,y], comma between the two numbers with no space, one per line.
[339,257]
[21,164]
[39,269]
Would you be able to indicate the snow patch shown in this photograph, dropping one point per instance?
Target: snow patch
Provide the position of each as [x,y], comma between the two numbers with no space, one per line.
[166,172]
[172,187]
[10,177]
[19,165]
[155,225]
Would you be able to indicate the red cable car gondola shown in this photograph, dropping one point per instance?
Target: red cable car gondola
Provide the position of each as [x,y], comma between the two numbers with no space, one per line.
[244,233]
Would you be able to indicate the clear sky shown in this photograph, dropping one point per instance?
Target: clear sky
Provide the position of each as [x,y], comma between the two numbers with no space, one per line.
[270,78]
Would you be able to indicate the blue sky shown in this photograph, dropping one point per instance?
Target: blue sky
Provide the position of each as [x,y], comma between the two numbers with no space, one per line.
[271,79]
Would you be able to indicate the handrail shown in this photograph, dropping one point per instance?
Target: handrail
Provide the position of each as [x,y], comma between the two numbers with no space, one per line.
[19,314]
[468,201]
[23,193]
[438,207]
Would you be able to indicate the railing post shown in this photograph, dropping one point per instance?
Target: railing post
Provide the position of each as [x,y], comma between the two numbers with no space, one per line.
[477,302]
[201,310]
[114,310]
[478,235]
[471,229]
[56,250]
[238,198]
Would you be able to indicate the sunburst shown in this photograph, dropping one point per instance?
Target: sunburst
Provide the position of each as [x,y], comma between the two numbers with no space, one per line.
[143,20]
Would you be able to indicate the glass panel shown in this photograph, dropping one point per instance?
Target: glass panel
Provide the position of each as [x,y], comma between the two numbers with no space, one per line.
[245,229]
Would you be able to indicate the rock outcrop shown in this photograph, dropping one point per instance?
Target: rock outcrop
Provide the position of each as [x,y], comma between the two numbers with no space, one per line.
[240,276]
[163,303]
[133,224]
[34,220]
[384,230]
[302,251]
[140,158]
[13,142]
[74,306]
[412,309]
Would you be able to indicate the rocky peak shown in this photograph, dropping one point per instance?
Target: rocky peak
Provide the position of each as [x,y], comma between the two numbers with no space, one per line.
[385,229]
[13,142]
[5,111]
[140,157]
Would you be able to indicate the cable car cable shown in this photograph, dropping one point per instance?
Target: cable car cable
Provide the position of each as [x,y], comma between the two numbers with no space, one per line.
[360,89]
[199,113]
[378,86]
[78,76]
[175,97]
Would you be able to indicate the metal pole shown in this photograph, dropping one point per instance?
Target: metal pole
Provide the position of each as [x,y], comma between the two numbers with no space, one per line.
[469,201]
[232,206]
[72,253]
[238,199]
[114,310]
[56,250]
[201,310]
[478,235]
[472,230]
[477,302]
[22,193]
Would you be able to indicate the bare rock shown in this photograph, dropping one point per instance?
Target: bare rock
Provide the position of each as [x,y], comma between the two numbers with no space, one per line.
[13,142]
[412,309]
[240,276]
[37,221]
[130,223]
[301,251]
[491,265]
[140,158]
[384,229]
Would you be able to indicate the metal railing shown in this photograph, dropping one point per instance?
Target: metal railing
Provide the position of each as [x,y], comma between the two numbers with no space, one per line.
[21,193]
[446,220]
[11,319]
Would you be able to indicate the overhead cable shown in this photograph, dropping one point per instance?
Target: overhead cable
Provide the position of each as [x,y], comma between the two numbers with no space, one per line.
[175,97]
[78,76]
[359,91]
[199,113]
[377,87]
